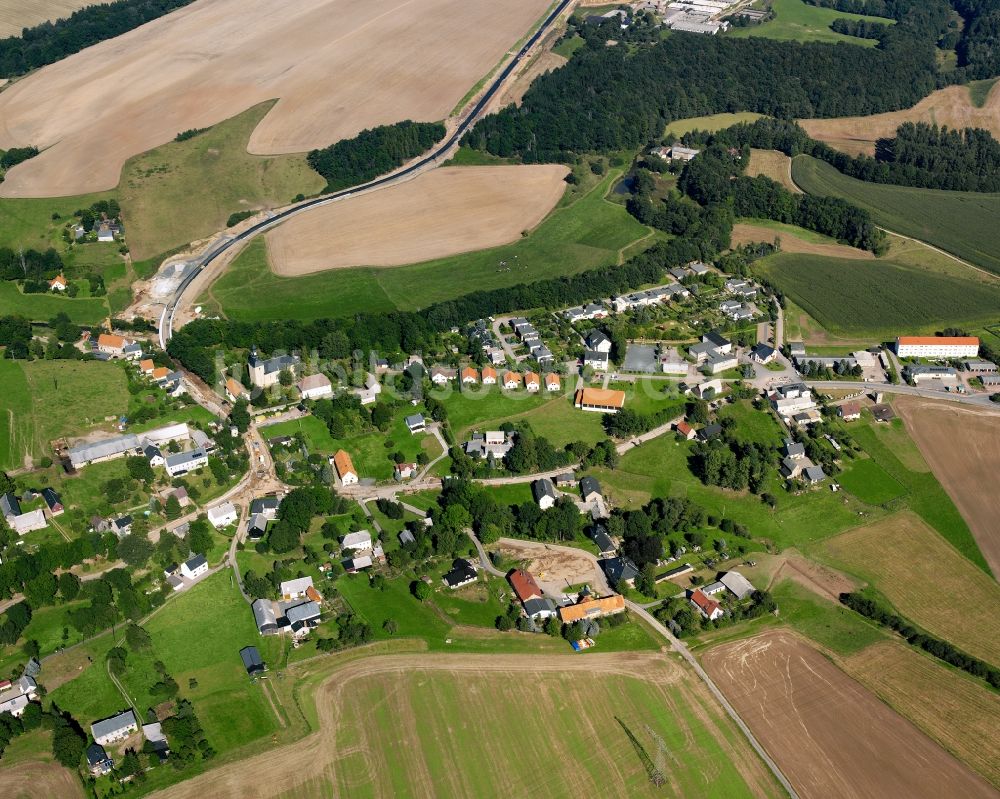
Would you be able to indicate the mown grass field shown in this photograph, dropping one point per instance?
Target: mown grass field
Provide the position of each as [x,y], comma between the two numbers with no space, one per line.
[34,410]
[710,123]
[587,233]
[877,298]
[183,191]
[42,307]
[869,482]
[926,580]
[962,223]
[798,21]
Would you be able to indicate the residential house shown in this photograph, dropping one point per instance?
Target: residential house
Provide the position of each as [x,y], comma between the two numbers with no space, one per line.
[620,570]
[222,515]
[544,493]
[266,506]
[114,729]
[441,375]
[58,283]
[264,616]
[154,455]
[490,375]
[794,449]
[789,399]
[315,387]
[705,605]
[524,585]
[707,389]
[416,423]
[849,411]
[235,390]
[122,526]
[195,567]
[470,375]
[293,589]
[462,573]
[266,372]
[132,351]
[14,697]
[604,542]
[252,662]
[146,366]
[98,761]
[762,353]
[813,474]
[153,732]
[302,617]
[511,380]
[594,310]
[684,430]
[590,490]
[52,501]
[406,537]
[359,541]
[737,584]
[597,341]
[698,268]
[493,442]
[181,496]
[590,607]
[552,382]
[718,341]
[368,393]
[9,506]
[345,468]
[256,527]
[540,609]
[710,431]
[596,360]
[532,382]
[184,462]
[404,471]
[600,400]
[112,345]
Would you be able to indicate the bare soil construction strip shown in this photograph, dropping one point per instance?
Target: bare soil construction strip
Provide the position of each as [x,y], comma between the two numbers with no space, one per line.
[831,737]
[336,67]
[950,106]
[963,450]
[443,212]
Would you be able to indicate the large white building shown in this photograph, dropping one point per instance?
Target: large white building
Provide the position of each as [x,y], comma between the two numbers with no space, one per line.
[937,346]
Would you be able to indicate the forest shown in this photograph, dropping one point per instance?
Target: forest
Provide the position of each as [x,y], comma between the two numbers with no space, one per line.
[52,41]
[374,152]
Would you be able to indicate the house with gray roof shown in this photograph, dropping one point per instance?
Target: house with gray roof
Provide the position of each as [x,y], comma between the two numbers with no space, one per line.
[184,462]
[544,493]
[302,617]
[590,489]
[737,584]
[620,570]
[813,474]
[540,608]
[116,728]
[264,616]
[9,506]
[265,373]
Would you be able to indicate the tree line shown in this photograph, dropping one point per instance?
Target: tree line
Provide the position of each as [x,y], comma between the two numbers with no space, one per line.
[49,42]
[373,152]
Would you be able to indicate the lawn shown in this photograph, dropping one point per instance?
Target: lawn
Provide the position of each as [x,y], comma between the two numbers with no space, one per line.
[42,307]
[182,191]
[827,623]
[798,21]
[962,223]
[875,299]
[587,233]
[869,482]
[753,426]
[708,124]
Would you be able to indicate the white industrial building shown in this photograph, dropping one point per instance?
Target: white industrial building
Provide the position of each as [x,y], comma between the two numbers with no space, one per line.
[937,346]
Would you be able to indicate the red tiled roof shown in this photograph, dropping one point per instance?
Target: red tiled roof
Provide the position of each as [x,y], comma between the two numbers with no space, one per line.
[703,601]
[524,585]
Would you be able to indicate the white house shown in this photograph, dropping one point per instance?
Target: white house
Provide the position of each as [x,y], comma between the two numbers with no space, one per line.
[368,393]
[315,386]
[184,462]
[544,493]
[266,372]
[532,382]
[116,728]
[293,589]
[596,360]
[194,567]
[596,340]
[705,605]
[937,346]
[359,541]
[27,522]
[345,468]
[222,515]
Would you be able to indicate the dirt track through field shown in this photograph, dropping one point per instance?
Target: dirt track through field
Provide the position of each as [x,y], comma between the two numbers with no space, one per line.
[443,212]
[950,106]
[374,713]
[744,233]
[831,737]
[963,450]
[337,66]
[32,780]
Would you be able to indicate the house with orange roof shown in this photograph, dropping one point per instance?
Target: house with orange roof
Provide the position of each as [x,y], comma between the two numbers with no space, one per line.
[160,373]
[591,608]
[684,430]
[937,346]
[601,400]
[112,345]
[146,366]
[532,381]
[235,390]
[511,380]
[313,594]
[345,468]
[489,376]
[58,283]
[470,375]
[552,382]
[705,605]
[524,585]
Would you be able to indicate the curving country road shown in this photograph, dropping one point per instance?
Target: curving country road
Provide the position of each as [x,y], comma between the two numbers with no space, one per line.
[226,243]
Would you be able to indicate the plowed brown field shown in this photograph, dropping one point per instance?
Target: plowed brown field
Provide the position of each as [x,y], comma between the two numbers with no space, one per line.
[951,107]
[831,737]
[337,66]
[31,780]
[442,212]
[963,450]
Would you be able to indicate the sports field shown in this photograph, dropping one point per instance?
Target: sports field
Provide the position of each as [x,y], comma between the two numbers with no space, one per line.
[33,410]
[925,579]
[876,298]
[953,107]
[794,239]
[440,213]
[798,21]
[962,716]
[15,15]
[586,233]
[381,61]
[772,164]
[807,713]
[183,191]
[462,726]
[962,223]
[963,449]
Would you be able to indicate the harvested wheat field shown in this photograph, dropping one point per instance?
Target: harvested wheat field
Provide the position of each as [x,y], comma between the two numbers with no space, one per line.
[504,726]
[795,240]
[16,15]
[442,212]
[962,715]
[952,107]
[775,165]
[831,737]
[926,579]
[963,450]
[33,779]
[336,67]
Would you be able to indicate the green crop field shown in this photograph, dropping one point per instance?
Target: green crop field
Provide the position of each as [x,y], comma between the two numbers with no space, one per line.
[34,410]
[587,233]
[798,21]
[710,123]
[183,191]
[962,223]
[877,298]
